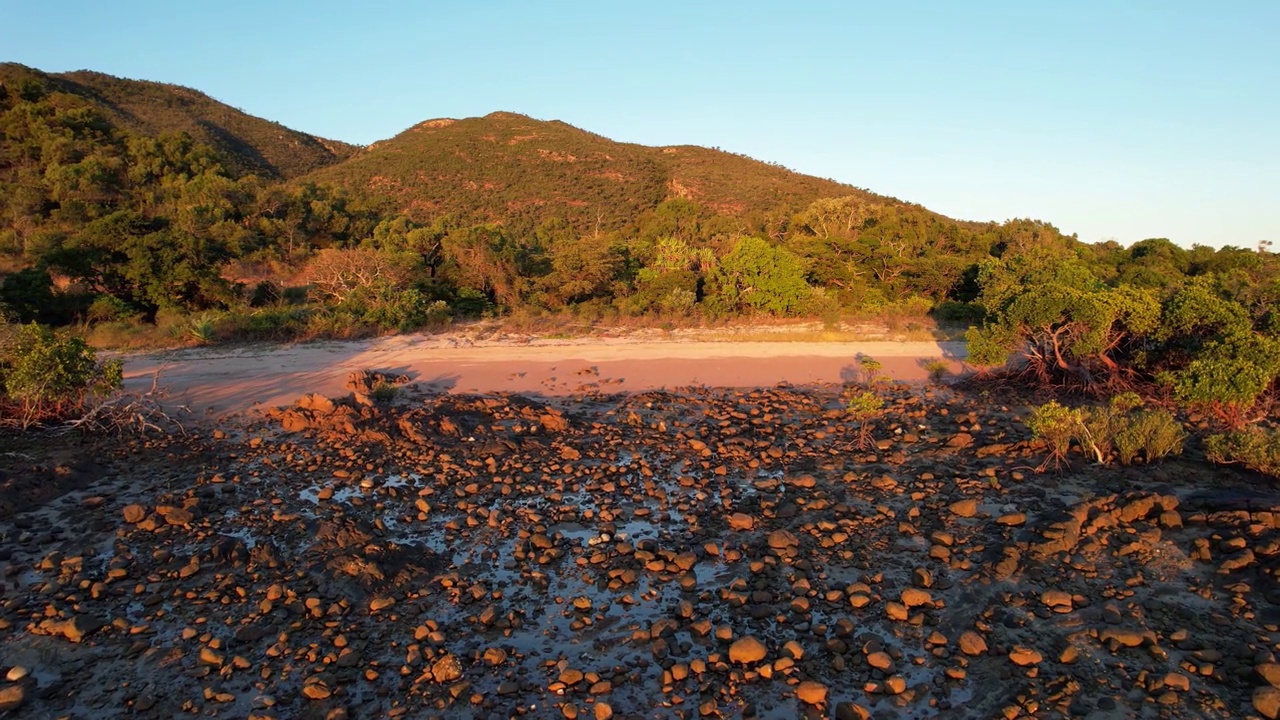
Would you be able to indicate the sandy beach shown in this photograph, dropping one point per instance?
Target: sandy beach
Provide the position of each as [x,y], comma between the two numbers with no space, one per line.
[223,381]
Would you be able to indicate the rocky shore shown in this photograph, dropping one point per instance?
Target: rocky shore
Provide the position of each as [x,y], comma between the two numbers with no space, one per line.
[691,553]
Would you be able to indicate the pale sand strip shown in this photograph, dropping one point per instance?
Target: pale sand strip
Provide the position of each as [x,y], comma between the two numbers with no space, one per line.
[227,381]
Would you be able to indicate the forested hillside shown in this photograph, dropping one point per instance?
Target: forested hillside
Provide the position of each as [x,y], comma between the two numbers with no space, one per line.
[243,144]
[518,171]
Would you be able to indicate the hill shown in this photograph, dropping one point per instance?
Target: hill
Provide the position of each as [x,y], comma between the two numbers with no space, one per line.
[515,169]
[245,144]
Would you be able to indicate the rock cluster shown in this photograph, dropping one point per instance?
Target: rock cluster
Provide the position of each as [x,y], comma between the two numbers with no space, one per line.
[707,553]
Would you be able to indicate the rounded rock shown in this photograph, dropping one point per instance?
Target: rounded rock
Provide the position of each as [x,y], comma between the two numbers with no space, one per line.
[812,693]
[747,650]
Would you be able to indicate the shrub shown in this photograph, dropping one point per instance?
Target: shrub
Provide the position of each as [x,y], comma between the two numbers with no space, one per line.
[1254,447]
[277,324]
[51,378]
[1149,434]
[863,408]
[1056,426]
[759,276]
[868,370]
[106,308]
[384,392]
[264,293]
[1228,376]
[1119,431]
[950,311]
[202,329]
[937,369]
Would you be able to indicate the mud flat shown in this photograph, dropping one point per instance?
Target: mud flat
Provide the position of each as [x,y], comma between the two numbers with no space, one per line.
[694,553]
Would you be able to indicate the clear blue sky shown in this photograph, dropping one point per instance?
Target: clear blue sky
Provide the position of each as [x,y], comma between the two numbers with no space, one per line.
[1109,118]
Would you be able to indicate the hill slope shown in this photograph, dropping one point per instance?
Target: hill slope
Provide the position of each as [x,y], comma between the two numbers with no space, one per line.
[512,168]
[246,143]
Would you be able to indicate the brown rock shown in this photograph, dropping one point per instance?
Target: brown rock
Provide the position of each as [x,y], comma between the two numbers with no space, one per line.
[851,711]
[747,650]
[603,710]
[915,597]
[76,629]
[1269,672]
[966,508]
[446,669]
[1120,636]
[1138,508]
[1012,519]
[209,656]
[896,611]
[12,698]
[293,421]
[812,693]
[782,539]
[179,516]
[880,660]
[134,514]
[971,643]
[1056,599]
[1266,700]
[741,521]
[316,403]
[1177,681]
[316,691]
[1022,656]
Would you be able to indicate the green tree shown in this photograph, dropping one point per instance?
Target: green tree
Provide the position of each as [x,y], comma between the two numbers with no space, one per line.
[759,276]
[1065,334]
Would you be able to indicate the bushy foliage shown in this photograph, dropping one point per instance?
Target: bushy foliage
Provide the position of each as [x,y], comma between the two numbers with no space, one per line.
[1255,447]
[864,407]
[46,377]
[1067,334]
[936,368]
[1120,430]
[868,370]
[1056,426]
[759,276]
[1228,375]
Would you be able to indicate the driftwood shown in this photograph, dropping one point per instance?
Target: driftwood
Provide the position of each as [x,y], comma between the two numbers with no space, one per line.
[129,413]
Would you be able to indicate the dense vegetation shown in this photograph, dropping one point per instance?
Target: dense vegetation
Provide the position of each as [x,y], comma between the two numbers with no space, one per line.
[245,144]
[126,206]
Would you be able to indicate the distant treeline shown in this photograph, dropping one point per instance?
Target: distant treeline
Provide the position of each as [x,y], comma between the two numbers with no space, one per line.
[102,224]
